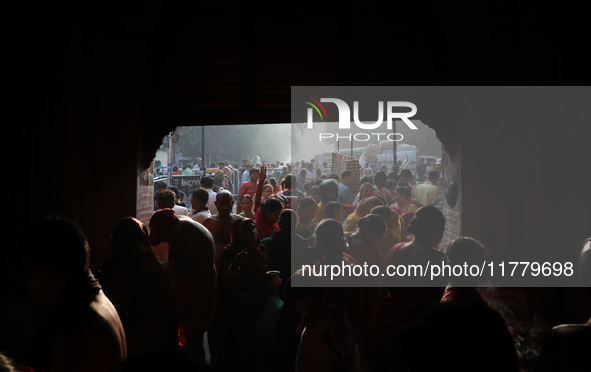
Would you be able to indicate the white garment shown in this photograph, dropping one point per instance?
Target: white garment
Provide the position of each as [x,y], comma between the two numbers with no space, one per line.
[179,210]
[211,202]
[201,215]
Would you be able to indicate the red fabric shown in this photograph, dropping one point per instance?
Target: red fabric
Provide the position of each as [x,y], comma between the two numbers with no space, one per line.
[162,221]
[249,188]
[264,229]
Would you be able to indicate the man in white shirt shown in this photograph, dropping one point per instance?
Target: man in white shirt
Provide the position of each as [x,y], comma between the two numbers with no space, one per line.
[246,174]
[167,199]
[310,174]
[207,184]
[199,199]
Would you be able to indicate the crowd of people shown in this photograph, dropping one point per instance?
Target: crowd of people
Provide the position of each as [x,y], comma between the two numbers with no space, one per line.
[211,283]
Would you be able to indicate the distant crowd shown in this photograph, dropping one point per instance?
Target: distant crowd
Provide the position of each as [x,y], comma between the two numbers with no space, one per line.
[213,283]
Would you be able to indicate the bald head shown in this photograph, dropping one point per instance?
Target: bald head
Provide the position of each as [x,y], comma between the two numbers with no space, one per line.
[224,202]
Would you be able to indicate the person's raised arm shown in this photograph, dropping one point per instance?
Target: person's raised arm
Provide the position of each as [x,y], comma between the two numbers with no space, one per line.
[259,193]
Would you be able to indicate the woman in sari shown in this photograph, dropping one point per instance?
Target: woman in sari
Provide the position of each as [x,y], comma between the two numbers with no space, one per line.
[402,198]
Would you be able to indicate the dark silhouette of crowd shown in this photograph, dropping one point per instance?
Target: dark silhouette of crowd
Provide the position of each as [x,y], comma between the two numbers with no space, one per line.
[221,291]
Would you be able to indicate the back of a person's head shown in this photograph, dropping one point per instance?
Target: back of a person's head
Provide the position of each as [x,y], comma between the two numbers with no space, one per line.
[58,243]
[380,177]
[163,225]
[474,336]
[130,237]
[433,175]
[306,202]
[331,209]
[175,190]
[382,211]
[289,181]
[405,173]
[427,222]
[467,250]
[192,248]
[366,179]
[206,182]
[202,195]
[166,199]
[325,188]
[287,219]
[404,190]
[372,224]
[329,232]
[271,205]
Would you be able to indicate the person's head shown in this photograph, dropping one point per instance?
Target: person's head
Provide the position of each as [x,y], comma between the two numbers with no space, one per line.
[334,176]
[163,225]
[406,175]
[287,219]
[199,198]
[130,237]
[380,179]
[176,191]
[347,178]
[330,238]
[402,194]
[289,182]
[366,190]
[224,202]
[334,210]
[466,250]
[314,193]
[372,227]
[307,209]
[161,186]
[246,202]
[366,179]
[393,176]
[387,214]
[267,191]
[54,252]
[271,209]
[165,199]
[433,176]
[206,182]
[427,225]
[248,233]
[391,186]
[328,190]
[384,169]
[273,181]
[254,175]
